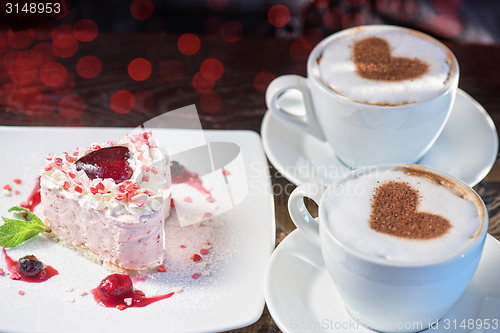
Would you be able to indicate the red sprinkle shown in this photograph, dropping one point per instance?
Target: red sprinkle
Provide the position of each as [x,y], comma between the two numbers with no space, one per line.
[122,188]
[7,187]
[162,269]
[187,199]
[145,168]
[203,251]
[226,172]
[20,292]
[119,197]
[78,189]
[207,215]
[93,190]
[16,192]
[153,170]
[71,175]
[66,186]
[195,275]
[145,178]
[17,181]
[100,186]
[75,154]
[68,158]
[182,246]
[196,257]
[48,167]
[1,271]
[58,161]
[139,203]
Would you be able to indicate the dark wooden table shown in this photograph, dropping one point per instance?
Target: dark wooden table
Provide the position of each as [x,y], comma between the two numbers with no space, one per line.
[242,102]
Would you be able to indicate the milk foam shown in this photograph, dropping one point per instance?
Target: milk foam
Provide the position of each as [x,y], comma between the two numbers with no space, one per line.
[338,71]
[349,210]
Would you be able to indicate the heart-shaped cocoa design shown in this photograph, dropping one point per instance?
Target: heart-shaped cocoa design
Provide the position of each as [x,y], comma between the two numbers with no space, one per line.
[374,61]
[394,212]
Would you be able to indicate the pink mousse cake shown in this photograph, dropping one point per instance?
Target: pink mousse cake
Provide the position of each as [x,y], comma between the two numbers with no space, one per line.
[110,200]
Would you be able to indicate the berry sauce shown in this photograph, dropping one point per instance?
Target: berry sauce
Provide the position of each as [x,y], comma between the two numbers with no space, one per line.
[15,273]
[34,199]
[117,291]
[110,162]
[182,175]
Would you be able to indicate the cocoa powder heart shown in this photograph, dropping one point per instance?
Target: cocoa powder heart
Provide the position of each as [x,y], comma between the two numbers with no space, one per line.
[374,61]
[394,212]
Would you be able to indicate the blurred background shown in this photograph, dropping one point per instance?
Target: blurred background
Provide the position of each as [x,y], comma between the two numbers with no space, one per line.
[126,61]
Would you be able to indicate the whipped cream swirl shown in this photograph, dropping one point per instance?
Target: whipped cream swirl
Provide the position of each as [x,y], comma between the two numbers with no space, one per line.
[142,194]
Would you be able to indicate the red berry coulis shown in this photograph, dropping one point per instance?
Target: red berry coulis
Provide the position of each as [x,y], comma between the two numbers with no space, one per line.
[16,274]
[34,199]
[117,291]
[182,175]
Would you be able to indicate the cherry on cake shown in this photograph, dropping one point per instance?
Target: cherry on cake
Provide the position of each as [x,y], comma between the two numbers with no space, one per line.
[110,200]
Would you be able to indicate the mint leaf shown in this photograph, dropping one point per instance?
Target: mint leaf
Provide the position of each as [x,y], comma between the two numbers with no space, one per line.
[15,231]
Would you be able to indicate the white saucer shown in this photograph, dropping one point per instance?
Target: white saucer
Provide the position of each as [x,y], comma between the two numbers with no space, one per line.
[301,297]
[466,149]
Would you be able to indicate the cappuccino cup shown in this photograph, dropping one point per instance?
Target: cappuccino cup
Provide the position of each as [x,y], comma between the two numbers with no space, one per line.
[401,242]
[377,94]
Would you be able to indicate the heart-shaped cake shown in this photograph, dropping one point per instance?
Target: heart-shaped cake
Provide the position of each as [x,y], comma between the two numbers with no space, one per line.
[374,61]
[394,212]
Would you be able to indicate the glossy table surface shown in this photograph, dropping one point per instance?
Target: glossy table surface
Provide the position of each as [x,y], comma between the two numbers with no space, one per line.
[241,98]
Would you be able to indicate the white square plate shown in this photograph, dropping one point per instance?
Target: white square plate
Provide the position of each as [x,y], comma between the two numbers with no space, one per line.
[229,293]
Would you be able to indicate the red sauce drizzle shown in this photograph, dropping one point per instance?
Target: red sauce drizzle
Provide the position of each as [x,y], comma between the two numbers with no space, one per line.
[46,273]
[115,289]
[34,199]
[182,175]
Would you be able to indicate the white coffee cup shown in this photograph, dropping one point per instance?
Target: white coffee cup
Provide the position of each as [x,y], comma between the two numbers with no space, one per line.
[379,292]
[362,132]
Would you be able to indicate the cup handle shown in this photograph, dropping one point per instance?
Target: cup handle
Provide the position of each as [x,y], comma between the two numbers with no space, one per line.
[279,86]
[298,211]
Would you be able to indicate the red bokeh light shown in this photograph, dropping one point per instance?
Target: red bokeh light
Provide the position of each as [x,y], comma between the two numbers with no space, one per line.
[141,9]
[71,106]
[88,67]
[42,53]
[171,70]
[408,11]
[211,69]
[354,3]
[217,5]
[66,85]
[278,16]
[231,31]
[42,31]
[53,73]
[144,100]
[446,6]
[85,30]
[388,6]
[262,80]
[122,101]
[201,84]
[446,25]
[62,29]
[332,18]
[352,20]
[313,36]
[65,46]
[22,70]
[210,102]
[19,40]
[188,44]
[39,106]
[299,50]
[320,3]
[139,69]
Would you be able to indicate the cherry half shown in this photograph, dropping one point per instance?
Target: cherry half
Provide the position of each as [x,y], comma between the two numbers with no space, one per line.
[110,162]
[117,291]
